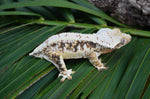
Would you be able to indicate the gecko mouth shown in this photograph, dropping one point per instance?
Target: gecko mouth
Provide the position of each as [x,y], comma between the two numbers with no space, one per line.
[119,45]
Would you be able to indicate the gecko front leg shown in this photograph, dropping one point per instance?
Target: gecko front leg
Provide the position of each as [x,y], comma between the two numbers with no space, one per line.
[58,61]
[93,58]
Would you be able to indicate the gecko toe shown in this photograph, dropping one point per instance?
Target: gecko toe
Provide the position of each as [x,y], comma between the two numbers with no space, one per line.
[66,74]
[101,68]
[104,64]
[69,77]
[63,79]
[73,72]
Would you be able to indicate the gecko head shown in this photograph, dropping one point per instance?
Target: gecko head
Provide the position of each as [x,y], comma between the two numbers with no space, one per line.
[113,38]
[123,38]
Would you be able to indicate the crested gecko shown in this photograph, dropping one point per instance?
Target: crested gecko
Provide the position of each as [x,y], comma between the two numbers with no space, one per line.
[76,45]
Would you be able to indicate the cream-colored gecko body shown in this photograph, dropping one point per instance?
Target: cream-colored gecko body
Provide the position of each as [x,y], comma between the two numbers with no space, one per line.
[75,45]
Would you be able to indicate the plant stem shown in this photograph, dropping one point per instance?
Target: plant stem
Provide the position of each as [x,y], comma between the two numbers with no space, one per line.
[83,25]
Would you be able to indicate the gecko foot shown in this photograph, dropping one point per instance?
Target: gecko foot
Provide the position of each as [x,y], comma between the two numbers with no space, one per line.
[100,68]
[66,74]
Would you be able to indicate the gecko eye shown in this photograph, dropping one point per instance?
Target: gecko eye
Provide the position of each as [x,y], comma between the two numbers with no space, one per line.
[122,41]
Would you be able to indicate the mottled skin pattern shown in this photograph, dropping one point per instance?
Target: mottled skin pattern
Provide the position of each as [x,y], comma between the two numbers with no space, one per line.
[75,45]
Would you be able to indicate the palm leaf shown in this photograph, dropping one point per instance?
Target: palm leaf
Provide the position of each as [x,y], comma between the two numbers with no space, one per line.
[26,24]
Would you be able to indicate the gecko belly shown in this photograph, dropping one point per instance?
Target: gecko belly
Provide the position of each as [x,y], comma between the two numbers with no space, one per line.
[72,55]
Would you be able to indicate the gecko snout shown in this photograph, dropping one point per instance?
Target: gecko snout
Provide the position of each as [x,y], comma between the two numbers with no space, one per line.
[127,38]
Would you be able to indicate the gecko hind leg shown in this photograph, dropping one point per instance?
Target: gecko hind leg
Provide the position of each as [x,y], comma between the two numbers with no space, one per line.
[93,58]
[58,61]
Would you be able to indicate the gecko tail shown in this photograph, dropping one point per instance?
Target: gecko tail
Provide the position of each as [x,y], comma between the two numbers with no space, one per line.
[31,54]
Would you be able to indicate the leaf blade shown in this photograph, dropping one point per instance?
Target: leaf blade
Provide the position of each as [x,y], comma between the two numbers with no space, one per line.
[61,3]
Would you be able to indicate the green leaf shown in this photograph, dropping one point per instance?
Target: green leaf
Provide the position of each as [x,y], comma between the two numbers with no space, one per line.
[139,80]
[133,31]
[21,13]
[60,3]
[6,1]
[68,15]
[27,45]
[147,92]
